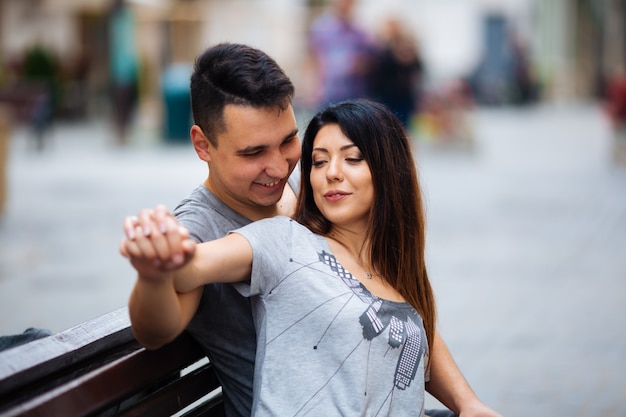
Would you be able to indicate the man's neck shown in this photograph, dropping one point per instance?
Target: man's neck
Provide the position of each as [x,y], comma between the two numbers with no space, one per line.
[286,206]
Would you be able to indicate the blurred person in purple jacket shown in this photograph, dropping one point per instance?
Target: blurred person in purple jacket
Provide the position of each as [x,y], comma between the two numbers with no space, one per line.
[342,54]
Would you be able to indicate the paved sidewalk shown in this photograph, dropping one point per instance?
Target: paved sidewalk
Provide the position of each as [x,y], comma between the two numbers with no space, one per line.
[528,257]
[526,247]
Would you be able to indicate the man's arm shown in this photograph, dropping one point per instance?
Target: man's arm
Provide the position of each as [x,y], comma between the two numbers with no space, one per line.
[156,323]
[172,270]
[158,313]
[448,385]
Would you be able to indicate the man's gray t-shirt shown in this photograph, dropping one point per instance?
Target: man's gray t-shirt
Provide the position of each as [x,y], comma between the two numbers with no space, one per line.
[223,323]
[326,345]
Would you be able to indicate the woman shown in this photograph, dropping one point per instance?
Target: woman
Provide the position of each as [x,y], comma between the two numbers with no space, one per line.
[343,306]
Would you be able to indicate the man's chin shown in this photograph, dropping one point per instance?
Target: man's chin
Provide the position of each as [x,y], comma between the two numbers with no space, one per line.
[267,203]
[266,199]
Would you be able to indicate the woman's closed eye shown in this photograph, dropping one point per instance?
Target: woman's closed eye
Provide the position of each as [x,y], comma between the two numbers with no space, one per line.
[351,160]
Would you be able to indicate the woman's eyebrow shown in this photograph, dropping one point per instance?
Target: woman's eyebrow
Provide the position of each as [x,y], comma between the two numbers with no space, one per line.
[343,148]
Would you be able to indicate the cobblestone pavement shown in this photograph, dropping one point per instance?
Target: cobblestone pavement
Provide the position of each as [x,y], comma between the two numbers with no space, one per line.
[526,247]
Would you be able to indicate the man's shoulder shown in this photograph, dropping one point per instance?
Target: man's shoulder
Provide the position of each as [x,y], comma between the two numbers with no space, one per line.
[206,216]
[199,203]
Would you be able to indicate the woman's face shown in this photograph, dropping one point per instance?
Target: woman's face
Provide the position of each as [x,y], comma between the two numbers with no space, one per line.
[341,179]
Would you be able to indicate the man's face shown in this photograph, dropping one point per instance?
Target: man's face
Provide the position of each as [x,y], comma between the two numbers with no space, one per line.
[254,158]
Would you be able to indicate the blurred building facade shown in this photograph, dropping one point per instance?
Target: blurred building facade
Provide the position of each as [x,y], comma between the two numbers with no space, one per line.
[168,32]
[572,45]
[579,44]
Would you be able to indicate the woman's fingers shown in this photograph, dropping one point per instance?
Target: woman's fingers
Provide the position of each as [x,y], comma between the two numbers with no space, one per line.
[130,222]
[155,236]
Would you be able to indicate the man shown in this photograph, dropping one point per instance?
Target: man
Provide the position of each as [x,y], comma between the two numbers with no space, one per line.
[245,130]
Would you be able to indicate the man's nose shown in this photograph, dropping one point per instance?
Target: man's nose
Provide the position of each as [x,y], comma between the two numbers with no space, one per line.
[277,165]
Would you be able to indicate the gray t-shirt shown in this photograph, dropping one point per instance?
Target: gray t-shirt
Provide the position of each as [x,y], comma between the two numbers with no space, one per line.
[326,345]
[223,323]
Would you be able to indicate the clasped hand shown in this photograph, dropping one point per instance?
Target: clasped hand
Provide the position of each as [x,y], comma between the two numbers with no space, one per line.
[155,243]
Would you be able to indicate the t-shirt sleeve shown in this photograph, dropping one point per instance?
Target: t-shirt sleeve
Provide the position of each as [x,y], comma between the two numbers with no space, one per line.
[200,220]
[270,240]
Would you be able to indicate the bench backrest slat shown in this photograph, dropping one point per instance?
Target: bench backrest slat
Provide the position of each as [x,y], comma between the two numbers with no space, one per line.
[99,369]
[41,358]
[175,396]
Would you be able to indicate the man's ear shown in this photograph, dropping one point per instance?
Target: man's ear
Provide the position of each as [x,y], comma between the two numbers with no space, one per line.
[200,143]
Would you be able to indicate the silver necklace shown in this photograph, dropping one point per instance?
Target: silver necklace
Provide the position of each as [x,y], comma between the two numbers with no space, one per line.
[368,275]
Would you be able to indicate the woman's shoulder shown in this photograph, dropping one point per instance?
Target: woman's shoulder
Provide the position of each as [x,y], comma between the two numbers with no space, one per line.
[280,220]
[277,219]
[277,224]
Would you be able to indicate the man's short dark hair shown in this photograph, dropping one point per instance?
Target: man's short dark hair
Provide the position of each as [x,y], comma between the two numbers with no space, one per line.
[230,73]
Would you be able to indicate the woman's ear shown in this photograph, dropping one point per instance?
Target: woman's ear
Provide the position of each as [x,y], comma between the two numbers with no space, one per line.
[200,143]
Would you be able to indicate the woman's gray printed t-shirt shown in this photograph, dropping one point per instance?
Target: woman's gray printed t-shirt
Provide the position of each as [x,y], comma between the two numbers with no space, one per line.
[326,345]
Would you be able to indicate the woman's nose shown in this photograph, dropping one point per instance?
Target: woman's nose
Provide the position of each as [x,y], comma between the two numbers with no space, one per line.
[333,173]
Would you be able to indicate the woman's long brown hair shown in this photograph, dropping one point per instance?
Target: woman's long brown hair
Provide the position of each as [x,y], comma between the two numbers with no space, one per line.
[397,220]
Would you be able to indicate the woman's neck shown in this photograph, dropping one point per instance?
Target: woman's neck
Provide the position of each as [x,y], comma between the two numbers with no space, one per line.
[352,251]
[352,243]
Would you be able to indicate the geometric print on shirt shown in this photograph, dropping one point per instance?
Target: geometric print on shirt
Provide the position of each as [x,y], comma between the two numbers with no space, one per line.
[403,330]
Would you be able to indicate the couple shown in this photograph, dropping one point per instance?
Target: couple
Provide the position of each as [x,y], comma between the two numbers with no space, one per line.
[342,306]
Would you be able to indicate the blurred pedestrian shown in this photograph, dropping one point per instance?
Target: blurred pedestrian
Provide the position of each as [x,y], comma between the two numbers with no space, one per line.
[124,67]
[615,105]
[615,108]
[398,71]
[523,89]
[40,88]
[5,132]
[342,54]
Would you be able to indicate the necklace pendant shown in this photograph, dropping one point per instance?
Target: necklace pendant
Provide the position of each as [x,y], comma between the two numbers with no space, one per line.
[368,275]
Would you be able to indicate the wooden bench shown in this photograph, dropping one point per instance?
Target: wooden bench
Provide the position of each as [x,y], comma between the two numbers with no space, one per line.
[98,369]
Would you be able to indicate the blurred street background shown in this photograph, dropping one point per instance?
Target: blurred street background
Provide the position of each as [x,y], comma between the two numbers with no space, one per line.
[518,118]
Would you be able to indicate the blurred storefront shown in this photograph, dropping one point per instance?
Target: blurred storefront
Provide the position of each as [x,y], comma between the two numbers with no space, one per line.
[579,45]
[75,36]
[169,34]
[574,46]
